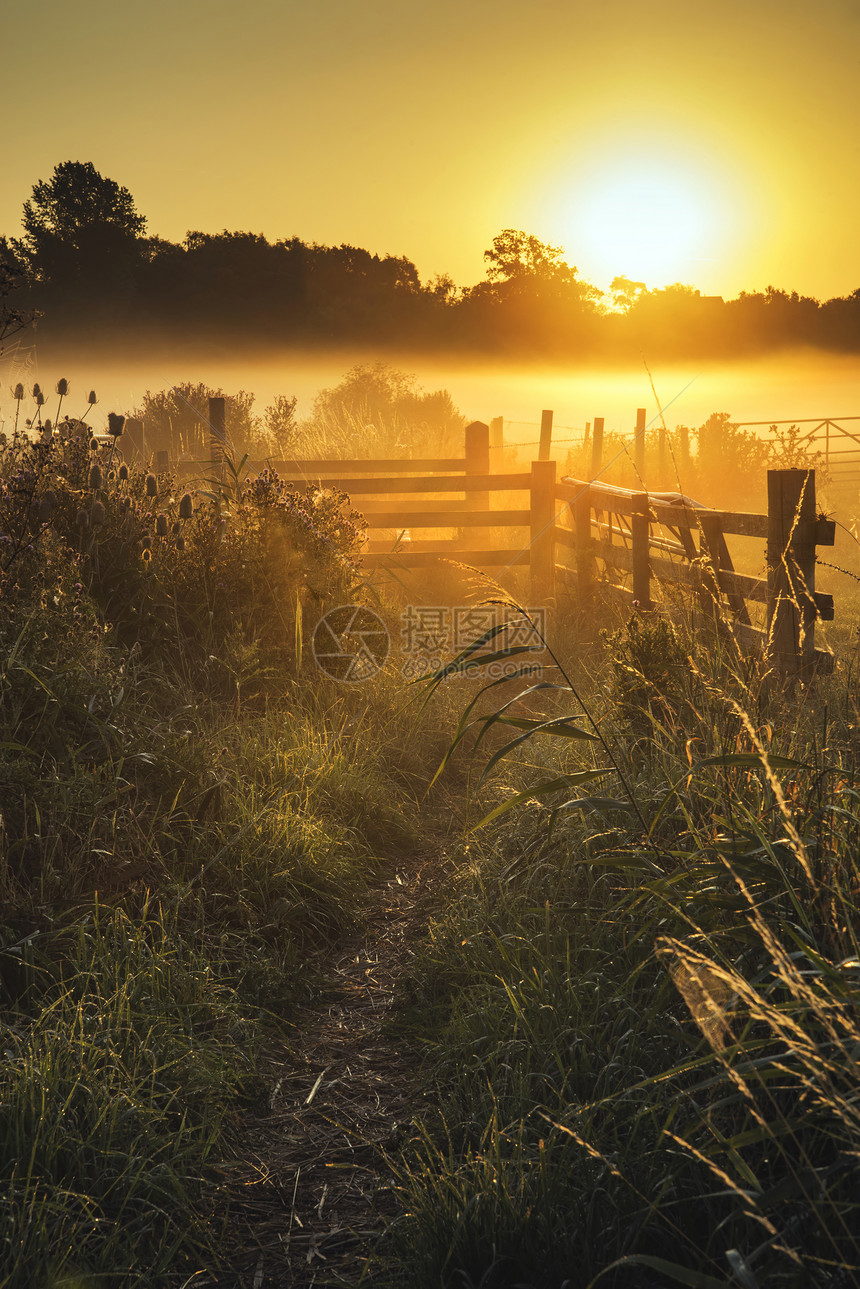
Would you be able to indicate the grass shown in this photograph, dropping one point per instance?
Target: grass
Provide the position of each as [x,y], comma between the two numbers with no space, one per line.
[645,1010]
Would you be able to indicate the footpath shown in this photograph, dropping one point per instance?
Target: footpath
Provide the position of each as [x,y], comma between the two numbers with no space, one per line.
[313,1197]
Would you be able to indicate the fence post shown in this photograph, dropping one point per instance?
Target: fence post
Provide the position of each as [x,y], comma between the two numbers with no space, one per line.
[640,526]
[132,439]
[596,446]
[477,462]
[497,443]
[639,443]
[162,461]
[545,449]
[542,535]
[584,555]
[791,533]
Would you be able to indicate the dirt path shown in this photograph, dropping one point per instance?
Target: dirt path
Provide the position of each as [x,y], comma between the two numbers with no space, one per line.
[342,1095]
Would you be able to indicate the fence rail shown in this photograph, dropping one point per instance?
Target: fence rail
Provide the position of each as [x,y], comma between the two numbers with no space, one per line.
[580,535]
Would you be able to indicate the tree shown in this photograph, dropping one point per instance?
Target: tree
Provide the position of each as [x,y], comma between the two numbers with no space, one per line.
[514,255]
[80,228]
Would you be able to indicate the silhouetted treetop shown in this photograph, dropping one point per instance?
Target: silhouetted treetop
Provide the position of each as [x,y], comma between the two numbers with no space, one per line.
[79,225]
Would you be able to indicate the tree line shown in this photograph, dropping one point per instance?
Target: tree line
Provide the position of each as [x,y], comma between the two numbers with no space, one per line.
[85,260]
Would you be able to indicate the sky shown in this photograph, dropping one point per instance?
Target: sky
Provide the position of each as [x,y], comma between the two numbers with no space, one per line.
[715,144]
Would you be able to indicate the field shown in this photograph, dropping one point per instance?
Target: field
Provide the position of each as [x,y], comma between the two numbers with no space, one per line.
[404,983]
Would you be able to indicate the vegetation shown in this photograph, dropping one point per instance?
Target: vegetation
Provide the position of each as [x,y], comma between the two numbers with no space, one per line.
[635,999]
[86,261]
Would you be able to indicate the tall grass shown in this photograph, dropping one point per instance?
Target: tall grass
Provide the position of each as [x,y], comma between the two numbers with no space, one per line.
[645,1002]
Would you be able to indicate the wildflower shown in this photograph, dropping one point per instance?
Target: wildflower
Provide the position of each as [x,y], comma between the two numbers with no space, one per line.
[161,526]
[186,506]
[97,517]
[151,486]
[96,477]
[115,424]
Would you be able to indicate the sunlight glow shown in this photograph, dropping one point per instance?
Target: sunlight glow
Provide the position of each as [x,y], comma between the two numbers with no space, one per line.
[650,224]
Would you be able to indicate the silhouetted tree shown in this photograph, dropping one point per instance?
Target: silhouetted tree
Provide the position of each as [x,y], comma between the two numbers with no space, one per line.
[177,420]
[80,229]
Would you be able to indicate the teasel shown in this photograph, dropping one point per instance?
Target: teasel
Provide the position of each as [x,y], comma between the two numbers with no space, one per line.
[176,528]
[83,520]
[91,402]
[18,395]
[186,506]
[161,527]
[62,391]
[115,424]
[123,473]
[97,514]
[146,554]
[47,505]
[180,543]
[151,486]
[96,477]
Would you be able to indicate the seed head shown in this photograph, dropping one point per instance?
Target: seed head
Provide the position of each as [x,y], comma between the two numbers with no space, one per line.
[186,506]
[97,517]
[40,399]
[180,543]
[151,486]
[96,477]
[62,387]
[37,389]
[83,519]
[115,424]
[123,473]
[146,554]
[146,542]
[91,398]
[18,392]
[176,528]
[161,526]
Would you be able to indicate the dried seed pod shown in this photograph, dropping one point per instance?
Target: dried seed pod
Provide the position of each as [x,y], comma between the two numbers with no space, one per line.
[176,528]
[146,554]
[146,542]
[62,387]
[123,473]
[161,526]
[97,516]
[186,506]
[96,477]
[18,392]
[37,389]
[180,543]
[91,398]
[83,519]
[40,399]
[151,486]
[115,424]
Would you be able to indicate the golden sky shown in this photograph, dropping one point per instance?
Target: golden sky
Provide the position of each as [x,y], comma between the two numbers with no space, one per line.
[716,144]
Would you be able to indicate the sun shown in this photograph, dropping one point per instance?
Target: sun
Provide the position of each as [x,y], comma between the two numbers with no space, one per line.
[650,223]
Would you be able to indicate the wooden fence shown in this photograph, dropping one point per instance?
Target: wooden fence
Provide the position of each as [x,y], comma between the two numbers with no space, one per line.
[580,536]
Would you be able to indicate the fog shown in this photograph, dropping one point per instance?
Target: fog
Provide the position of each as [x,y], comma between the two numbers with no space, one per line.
[786,386]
